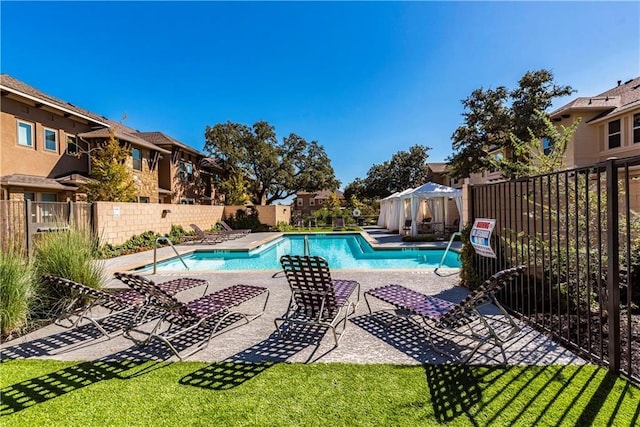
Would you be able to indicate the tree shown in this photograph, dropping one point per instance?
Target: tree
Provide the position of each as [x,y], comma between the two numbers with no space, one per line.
[405,169]
[269,170]
[111,179]
[530,156]
[493,117]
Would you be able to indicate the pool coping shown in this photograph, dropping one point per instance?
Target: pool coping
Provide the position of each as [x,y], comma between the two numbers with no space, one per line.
[248,243]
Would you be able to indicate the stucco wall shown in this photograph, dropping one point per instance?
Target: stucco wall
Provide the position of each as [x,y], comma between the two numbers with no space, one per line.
[36,160]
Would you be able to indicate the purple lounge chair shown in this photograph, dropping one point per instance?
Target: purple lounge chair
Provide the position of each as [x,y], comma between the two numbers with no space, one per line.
[440,314]
[86,300]
[316,299]
[183,317]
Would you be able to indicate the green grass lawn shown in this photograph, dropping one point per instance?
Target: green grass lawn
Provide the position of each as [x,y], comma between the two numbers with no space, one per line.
[39,393]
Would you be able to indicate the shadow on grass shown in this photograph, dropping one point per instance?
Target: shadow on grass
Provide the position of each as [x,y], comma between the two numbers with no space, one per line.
[551,395]
[454,390]
[127,364]
[249,363]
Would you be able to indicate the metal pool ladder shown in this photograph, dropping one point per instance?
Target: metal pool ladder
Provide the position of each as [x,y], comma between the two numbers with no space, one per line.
[444,255]
[155,247]
[306,248]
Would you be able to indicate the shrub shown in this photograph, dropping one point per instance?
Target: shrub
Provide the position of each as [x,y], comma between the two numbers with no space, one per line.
[242,220]
[284,226]
[469,276]
[143,242]
[17,288]
[70,254]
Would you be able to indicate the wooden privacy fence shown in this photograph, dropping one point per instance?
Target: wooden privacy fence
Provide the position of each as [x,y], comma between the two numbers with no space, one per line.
[21,220]
[578,232]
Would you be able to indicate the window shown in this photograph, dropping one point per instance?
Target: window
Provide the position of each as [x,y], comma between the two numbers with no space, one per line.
[30,196]
[184,201]
[72,145]
[300,202]
[25,134]
[497,158]
[319,201]
[143,200]
[636,128]
[614,134]
[48,197]
[547,146]
[185,172]
[137,159]
[50,140]
[312,202]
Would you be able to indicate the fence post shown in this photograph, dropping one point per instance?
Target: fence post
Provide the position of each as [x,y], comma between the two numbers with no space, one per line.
[70,216]
[613,267]
[28,225]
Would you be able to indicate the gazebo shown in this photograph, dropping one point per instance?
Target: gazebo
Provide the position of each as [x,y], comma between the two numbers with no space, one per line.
[435,197]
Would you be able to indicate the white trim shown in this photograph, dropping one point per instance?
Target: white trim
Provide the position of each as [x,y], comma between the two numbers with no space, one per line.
[50,104]
[33,126]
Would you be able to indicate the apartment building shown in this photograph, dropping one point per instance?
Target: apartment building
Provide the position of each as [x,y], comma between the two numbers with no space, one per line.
[40,152]
[306,203]
[45,146]
[610,124]
[187,176]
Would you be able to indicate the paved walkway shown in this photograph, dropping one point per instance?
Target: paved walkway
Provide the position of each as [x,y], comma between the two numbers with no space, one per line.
[365,341]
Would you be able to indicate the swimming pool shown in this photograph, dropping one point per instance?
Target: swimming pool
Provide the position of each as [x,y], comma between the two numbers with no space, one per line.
[342,251]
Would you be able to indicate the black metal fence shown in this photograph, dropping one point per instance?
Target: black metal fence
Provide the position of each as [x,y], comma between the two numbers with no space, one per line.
[578,232]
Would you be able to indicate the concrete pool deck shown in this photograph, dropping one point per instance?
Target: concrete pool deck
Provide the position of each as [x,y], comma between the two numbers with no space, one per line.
[365,341]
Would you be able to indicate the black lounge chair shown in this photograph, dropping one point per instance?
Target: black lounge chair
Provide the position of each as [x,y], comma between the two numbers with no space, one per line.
[463,318]
[234,233]
[86,301]
[316,299]
[182,317]
[207,237]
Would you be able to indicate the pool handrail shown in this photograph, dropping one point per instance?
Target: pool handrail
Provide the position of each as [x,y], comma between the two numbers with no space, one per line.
[155,248]
[444,254]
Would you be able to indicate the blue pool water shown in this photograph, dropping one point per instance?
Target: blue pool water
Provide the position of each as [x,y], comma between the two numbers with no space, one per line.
[342,251]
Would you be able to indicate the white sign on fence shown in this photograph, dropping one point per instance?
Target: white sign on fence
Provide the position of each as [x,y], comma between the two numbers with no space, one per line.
[116,211]
[481,236]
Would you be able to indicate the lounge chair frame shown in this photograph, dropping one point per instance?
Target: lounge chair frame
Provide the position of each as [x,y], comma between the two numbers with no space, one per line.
[232,232]
[316,299]
[117,303]
[204,237]
[181,318]
[462,319]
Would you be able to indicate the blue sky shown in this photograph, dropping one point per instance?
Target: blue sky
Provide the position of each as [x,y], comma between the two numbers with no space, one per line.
[365,80]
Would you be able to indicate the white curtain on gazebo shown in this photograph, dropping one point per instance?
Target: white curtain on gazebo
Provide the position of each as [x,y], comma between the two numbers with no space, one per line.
[436,196]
